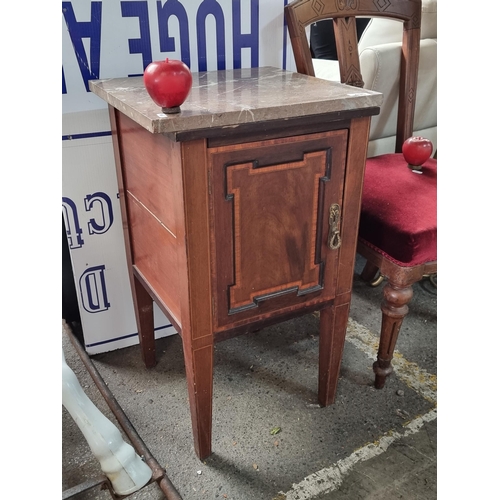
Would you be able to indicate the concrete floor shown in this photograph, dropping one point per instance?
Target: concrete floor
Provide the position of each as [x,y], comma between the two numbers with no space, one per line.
[371,444]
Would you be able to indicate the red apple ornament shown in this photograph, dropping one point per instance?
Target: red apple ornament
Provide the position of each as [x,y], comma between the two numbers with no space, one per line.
[416,151]
[168,83]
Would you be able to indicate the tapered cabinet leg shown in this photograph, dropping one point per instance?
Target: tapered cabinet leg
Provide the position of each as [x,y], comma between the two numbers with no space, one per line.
[199,373]
[333,326]
[394,309]
[145,323]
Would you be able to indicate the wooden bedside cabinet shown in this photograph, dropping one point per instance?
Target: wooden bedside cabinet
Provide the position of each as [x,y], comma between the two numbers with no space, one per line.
[240,211]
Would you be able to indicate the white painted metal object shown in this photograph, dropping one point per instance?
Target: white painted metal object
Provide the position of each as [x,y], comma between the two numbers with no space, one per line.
[119,461]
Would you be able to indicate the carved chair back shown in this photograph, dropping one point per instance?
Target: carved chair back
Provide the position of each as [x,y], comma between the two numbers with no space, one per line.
[301,13]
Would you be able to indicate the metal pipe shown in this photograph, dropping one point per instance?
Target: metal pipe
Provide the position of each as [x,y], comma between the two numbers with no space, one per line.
[159,473]
[85,486]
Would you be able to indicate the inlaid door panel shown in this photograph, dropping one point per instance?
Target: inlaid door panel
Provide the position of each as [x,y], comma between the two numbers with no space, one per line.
[270,222]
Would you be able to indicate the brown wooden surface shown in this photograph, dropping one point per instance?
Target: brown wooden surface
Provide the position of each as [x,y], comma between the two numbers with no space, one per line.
[346,36]
[143,307]
[150,166]
[397,295]
[233,237]
[149,169]
[159,299]
[145,323]
[394,309]
[270,204]
[274,129]
[333,324]
[155,253]
[355,168]
[195,292]
[400,275]
[333,320]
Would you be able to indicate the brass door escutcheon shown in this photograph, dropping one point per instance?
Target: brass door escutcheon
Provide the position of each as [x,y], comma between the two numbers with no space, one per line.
[334,222]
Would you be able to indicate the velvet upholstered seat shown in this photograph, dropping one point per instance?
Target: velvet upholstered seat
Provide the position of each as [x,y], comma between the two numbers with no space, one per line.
[398,213]
[398,222]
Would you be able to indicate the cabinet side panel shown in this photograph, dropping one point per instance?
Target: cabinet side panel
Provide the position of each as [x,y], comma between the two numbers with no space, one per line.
[154,251]
[148,161]
[152,189]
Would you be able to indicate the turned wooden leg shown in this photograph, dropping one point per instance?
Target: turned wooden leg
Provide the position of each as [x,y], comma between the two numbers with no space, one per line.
[333,327]
[199,373]
[143,304]
[394,309]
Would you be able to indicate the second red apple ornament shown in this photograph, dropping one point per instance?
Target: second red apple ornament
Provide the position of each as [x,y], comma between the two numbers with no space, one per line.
[416,151]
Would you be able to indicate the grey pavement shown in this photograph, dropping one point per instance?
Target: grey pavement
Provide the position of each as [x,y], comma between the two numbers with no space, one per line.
[371,444]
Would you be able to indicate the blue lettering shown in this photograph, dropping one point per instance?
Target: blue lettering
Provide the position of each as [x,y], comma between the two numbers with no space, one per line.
[93,290]
[106,215]
[64,90]
[251,39]
[140,45]
[72,224]
[206,8]
[85,29]
[167,43]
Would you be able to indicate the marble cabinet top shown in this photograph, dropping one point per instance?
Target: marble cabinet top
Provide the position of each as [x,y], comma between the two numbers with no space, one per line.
[234,97]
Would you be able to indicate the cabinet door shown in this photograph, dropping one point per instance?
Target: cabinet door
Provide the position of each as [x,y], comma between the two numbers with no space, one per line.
[275,205]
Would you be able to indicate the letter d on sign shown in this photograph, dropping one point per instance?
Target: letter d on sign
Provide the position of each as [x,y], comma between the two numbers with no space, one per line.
[93,290]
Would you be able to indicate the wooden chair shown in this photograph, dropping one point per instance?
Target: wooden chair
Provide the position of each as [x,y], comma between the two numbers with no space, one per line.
[398,222]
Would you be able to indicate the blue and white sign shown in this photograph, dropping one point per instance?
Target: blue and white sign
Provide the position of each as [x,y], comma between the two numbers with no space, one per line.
[117,38]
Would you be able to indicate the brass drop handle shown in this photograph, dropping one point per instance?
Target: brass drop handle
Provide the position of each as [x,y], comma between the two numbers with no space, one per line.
[334,222]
